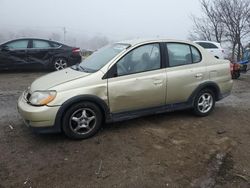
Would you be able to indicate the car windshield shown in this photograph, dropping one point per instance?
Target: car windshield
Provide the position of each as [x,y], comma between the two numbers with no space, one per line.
[101,57]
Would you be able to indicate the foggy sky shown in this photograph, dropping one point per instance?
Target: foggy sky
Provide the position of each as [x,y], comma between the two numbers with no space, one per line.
[113,18]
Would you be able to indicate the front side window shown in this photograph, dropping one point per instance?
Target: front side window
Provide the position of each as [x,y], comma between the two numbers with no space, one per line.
[40,44]
[141,59]
[19,44]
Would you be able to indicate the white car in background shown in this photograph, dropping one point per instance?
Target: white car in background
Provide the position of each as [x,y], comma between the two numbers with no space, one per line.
[213,47]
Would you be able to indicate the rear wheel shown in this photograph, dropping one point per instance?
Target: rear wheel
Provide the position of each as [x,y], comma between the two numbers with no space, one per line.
[60,63]
[82,120]
[204,102]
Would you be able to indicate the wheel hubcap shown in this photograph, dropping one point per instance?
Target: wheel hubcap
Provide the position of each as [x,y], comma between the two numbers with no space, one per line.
[60,64]
[82,121]
[205,103]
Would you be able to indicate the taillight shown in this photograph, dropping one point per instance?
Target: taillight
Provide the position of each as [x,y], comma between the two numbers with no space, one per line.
[76,50]
[231,66]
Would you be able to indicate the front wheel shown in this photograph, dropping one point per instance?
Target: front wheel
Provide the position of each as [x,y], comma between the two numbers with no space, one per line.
[82,120]
[204,103]
[60,63]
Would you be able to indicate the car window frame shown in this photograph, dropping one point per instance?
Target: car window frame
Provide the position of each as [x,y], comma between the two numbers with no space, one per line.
[190,45]
[112,71]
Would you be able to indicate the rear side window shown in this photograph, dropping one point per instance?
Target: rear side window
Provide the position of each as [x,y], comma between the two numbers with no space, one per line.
[55,45]
[179,54]
[40,44]
[207,45]
[196,55]
[19,44]
[182,54]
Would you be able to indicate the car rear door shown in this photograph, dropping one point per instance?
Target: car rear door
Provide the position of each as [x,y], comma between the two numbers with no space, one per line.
[185,72]
[138,80]
[39,54]
[14,54]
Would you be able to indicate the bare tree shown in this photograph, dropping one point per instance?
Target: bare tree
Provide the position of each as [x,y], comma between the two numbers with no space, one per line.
[201,31]
[209,26]
[235,15]
[213,19]
[224,20]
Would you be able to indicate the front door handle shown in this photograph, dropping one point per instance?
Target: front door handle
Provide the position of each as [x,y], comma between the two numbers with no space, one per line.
[158,82]
[199,75]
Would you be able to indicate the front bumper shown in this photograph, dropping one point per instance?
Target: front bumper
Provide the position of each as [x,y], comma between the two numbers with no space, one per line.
[38,118]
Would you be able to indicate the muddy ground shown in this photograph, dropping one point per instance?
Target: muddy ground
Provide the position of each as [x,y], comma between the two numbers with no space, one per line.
[168,150]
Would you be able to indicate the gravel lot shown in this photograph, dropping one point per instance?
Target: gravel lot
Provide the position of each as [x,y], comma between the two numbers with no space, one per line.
[168,150]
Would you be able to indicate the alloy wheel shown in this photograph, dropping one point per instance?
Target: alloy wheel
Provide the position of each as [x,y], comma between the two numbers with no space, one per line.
[60,64]
[82,121]
[205,102]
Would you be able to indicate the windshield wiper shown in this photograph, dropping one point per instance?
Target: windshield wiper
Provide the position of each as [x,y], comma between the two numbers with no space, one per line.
[82,68]
[75,67]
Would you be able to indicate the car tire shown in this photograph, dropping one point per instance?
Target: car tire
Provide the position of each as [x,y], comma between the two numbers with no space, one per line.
[82,120]
[60,63]
[204,103]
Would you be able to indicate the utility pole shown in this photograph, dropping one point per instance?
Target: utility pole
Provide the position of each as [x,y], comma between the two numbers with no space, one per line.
[64,34]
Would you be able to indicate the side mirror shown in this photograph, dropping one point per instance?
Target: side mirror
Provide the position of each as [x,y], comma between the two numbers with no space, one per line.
[5,48]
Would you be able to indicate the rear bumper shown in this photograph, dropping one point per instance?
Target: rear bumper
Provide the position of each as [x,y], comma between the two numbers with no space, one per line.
[74,59]
[225,89]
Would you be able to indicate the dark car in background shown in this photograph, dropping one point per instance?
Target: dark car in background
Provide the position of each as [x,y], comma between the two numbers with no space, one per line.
[39,54]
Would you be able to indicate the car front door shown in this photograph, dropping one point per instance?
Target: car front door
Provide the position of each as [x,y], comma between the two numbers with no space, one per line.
[185,72]
[138,80]
[14,54]
[39,54]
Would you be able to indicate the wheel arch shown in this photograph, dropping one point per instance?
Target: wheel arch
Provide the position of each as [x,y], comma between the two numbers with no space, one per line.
[82,98]
[56,56]
[207,85]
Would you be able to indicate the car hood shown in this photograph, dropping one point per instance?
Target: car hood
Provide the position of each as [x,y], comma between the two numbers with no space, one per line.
[56,78]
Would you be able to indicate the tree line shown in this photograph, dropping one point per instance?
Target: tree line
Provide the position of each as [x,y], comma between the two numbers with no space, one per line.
[224,21]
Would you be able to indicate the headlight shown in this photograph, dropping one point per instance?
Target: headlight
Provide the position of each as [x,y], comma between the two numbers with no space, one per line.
[40,98]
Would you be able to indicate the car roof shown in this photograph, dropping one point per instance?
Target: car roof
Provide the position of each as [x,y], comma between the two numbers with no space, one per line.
[154,40]
[25,38]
